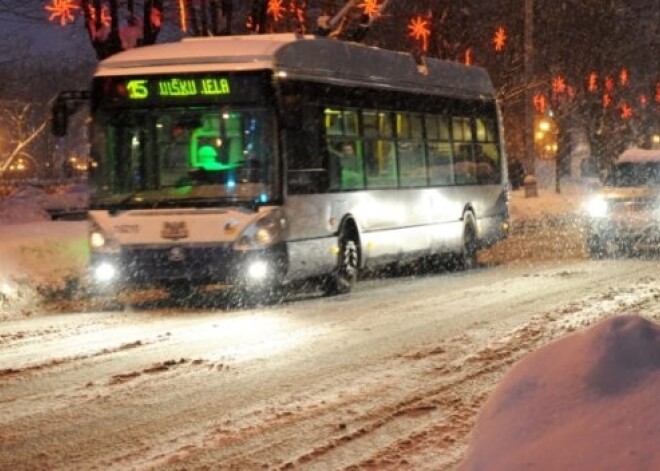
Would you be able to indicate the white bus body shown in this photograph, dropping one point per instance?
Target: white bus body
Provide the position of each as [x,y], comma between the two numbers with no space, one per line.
[254,192]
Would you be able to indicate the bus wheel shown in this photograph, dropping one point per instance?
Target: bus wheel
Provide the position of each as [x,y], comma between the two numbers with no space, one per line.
[345,275]
[469,253]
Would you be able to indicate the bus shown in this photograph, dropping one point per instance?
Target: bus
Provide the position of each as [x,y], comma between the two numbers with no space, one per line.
[260,160]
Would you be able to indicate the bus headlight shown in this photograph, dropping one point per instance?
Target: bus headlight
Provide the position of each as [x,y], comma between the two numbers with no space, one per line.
[105,272]
[597,207]
[270,228]
[257,270]
[96,239]
[99,241]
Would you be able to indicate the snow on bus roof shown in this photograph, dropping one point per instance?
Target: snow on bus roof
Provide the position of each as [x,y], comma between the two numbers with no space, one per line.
[639,156]
[304,57]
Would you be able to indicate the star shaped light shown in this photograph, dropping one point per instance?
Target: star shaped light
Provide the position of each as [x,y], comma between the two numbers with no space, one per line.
[62,9]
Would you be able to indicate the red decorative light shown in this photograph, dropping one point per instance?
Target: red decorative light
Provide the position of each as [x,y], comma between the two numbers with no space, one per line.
[607,100]
[468,56]
[370,7]
[183,15]
[540,103]
[643,100]
[571,92]
[609,83]
[63,9]
[592,83]
[419,29]
[558,84]
[106,19]
[657,93]
[624,76]
[626,111]
[499,39]
[275,9]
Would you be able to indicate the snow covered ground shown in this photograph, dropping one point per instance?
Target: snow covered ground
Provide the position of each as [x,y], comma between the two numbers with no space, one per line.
[583,401]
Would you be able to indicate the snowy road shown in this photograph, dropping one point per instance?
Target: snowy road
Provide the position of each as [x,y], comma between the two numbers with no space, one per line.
[388,377]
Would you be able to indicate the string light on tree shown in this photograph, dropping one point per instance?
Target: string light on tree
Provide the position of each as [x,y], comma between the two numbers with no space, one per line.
[183,16]
[609,83]
[105,15]
[499,39]
[370,7]
[468,56]
[62,9]
[592,82]
[626,111]
[558,84]
[540,103]
[643,100]
[419,29]
[275,9]
[624,76]
[607,100]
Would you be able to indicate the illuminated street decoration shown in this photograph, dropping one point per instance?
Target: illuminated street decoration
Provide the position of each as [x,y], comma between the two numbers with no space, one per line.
[571,91]
[607,100]
[419,30]
[643,100]
[105,15]
[657,93]
[62,9]
[558,84]
[468,56]
[540,103]
[298,8]
[370,7]
[275,9]
[609,83]
[183,15]
[626,111]
[592,82]
[499,39]
[624,77]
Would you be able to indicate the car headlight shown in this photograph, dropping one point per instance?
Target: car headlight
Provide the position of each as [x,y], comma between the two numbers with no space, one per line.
[597,207]
[269,229]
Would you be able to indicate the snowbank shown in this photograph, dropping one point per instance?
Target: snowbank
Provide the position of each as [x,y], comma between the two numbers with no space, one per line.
[585,402]
[36,260]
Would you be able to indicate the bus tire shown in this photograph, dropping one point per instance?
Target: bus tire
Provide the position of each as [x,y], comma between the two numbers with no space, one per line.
[344,277]
[468,256]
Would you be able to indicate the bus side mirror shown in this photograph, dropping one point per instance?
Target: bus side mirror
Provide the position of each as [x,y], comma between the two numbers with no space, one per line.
[59,118]
[66,104]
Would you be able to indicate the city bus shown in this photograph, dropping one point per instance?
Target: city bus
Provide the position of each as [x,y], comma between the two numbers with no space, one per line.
[256,161]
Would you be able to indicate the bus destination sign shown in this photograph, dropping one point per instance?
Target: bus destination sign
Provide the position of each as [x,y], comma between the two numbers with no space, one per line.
[173,87]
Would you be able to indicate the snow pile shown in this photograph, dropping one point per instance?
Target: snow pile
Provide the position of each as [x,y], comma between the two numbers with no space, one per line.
[36,260]
[549,204]
[585,402]
[25,204]
[32,203]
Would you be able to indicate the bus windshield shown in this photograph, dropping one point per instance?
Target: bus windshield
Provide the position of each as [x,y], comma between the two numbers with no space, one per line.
[174,156]
[635,174]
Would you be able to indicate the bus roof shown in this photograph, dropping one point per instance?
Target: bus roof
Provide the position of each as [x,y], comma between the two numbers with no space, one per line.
[303,57]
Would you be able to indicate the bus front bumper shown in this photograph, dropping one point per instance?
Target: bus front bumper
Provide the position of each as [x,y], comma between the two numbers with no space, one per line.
[151,266]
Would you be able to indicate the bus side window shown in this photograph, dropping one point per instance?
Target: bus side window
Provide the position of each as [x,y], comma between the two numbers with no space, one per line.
[380,157]
[345,156]
[465,168]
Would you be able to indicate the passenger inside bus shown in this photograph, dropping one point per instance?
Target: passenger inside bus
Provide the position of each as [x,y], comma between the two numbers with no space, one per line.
[350,163]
